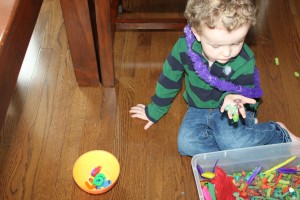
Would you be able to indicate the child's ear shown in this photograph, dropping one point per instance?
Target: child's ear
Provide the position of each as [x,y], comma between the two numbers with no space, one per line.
[196,35]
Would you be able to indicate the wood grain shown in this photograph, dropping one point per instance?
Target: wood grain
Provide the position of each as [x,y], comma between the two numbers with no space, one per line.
[82,44]
[16,27]
[51,121]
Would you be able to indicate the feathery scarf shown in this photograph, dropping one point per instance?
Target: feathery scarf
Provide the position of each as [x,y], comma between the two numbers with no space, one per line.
[203,72]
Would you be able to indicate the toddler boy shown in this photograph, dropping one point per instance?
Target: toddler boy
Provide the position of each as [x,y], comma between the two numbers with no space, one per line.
[221,82]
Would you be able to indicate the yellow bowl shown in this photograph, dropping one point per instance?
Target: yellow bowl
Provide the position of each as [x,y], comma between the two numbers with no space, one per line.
[87,162]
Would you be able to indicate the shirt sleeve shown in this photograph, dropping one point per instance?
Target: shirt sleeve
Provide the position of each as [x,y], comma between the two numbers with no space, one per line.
[168,85]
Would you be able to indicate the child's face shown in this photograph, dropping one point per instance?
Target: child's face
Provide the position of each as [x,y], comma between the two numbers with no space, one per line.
[221,45]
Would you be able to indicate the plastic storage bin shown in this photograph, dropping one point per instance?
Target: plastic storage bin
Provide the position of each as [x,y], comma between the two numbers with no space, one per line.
[247,159]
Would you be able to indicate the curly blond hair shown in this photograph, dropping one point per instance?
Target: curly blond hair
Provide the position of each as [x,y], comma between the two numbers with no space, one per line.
[231,13]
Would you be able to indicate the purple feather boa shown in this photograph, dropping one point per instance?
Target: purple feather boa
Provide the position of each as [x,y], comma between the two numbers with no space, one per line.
[203,72]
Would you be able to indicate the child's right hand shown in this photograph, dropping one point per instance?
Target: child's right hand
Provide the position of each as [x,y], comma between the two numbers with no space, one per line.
[138,111]
[230,100]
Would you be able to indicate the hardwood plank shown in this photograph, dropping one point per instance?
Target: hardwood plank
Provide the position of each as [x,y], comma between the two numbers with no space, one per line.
[33,151]
[54,25]
[14,17]
[73,130]
[295,9]
[63,189]
[285,40]
[25,76]
[56,132]
[22,151]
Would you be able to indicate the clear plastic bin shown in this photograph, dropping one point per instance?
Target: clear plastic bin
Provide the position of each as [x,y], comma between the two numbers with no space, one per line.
[247,159]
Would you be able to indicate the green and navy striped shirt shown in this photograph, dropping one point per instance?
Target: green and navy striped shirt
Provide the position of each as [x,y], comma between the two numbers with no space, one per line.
[197,93]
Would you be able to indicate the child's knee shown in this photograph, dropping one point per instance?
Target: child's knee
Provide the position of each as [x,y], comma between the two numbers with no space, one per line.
[186,146]
[183,146]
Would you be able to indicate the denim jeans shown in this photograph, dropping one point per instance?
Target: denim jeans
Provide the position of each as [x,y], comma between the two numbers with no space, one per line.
[208,130]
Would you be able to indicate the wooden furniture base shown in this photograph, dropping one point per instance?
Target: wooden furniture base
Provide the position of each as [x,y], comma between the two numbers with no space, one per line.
[90,28]
[17,21]
[91,33]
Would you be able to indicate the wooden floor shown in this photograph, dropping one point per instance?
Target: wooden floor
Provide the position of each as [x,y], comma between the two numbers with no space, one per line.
[51,121]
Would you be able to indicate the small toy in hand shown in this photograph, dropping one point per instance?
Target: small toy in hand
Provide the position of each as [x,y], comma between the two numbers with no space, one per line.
[234,109]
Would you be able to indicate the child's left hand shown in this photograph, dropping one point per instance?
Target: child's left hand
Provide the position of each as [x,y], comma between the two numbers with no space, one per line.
[236,100]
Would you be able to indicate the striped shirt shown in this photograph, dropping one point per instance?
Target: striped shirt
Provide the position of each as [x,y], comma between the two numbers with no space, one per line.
[198,93]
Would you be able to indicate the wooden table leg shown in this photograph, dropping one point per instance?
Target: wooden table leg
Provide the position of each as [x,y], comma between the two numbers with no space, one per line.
[80,37]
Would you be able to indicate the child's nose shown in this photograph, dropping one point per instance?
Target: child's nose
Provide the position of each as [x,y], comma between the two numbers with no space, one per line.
[226,51]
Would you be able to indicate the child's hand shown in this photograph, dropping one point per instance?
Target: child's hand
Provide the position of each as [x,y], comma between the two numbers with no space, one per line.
[138,111]
[238,101]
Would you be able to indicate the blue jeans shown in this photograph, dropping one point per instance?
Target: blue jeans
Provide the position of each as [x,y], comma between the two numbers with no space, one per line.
[208,130]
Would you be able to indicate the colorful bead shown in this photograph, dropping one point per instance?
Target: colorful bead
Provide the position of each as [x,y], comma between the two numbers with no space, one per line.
[208,175]
[276,61]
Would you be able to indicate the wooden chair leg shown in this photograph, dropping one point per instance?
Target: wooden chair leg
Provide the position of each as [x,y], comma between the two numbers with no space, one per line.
[105,41]
[107,21]
[116,8]
[81,41]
